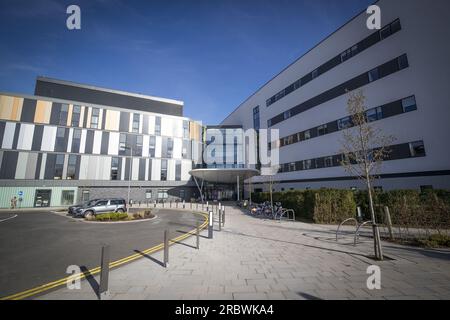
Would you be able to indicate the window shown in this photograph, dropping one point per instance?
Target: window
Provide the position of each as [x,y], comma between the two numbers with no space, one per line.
[67,197]
[167,147]
[185,151]
[287,114]
[315,73]
[185,129]
[148,194]
[163,170]
[182,194]
[71,167]
[307,134]
[256,124]
[76,139]
[417,149]
[60,143]
[374,114]
[59,166]
[158,126]
[163,194]
[373,75]
[63,114]
[76,114]
[94,118]
[137,150]
[409,104]
[123,144]
[135,126]
[152,146]
[402,62]
[426,188]
[307,164]
[292,166]
[328,161]
[344,123]
[322,130]
[85,195]
[115,168]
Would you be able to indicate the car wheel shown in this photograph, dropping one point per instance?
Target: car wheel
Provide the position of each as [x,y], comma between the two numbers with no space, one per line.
[89,214]
[120,210]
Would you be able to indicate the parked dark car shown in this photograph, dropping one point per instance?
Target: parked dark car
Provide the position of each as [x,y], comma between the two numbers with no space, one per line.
[101,206]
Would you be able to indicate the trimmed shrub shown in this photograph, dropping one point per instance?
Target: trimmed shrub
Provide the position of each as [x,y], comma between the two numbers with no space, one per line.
[111,216]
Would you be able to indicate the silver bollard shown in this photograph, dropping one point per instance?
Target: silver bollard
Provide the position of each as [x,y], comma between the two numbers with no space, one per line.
[210,225]
[154,204]
[166,248]
[220,220]
[184,205]
[197,233]
[223,215]
[104,273]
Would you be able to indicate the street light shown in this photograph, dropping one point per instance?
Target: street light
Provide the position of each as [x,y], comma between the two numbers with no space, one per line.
[129,172]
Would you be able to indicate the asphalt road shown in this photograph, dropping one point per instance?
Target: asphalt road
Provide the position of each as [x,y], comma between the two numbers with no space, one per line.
[37,247]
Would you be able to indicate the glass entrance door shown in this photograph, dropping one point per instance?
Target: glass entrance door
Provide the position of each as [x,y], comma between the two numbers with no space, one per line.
[42,198]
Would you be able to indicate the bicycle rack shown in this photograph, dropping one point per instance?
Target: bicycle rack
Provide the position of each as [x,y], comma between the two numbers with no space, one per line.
[342,223]
[357,231]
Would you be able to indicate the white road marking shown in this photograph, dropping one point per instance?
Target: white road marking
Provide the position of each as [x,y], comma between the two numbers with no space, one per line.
[14,216]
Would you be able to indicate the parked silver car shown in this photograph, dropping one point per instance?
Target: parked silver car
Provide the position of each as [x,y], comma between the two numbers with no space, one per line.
[101,206]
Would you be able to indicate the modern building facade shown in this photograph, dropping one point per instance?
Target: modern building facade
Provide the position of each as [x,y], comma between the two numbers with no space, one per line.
[403,71]
[71,142]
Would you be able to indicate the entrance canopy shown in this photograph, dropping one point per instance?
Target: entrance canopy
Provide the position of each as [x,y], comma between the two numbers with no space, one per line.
[221,175]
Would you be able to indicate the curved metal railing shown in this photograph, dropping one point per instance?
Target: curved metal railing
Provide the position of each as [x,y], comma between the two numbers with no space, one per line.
[342,223]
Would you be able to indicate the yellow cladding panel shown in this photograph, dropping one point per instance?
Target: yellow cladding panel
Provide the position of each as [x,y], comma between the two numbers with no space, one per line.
[6,107]
[43,111]
[17,109]
[112,120]
[69,115]
[194,131]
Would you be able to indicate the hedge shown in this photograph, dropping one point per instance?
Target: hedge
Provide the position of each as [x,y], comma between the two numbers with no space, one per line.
[408,208]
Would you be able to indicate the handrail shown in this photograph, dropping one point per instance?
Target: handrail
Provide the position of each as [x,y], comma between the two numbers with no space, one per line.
[337,231]
[357,230]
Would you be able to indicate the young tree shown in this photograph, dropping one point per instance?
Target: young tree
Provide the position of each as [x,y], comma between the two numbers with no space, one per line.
[364,148]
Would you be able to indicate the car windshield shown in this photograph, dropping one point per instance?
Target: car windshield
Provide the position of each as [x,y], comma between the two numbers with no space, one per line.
[89,203]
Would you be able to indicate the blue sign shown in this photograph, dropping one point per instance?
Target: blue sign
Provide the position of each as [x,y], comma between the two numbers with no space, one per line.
[20,193]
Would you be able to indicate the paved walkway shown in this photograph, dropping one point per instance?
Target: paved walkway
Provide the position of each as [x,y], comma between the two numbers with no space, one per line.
[262,259]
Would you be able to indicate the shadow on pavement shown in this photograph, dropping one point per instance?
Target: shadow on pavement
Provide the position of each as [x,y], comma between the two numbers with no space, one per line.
[90,278]
[150,258]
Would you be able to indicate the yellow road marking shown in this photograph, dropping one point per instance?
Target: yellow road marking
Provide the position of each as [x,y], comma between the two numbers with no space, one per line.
[96,270]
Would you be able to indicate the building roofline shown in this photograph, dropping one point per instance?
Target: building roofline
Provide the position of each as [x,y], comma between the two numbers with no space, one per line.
[295,61]
[83,103]
[91,87]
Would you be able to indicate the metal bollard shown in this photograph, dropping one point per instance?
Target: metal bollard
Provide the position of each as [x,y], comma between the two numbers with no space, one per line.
[207,206]
[184,205]
[154,204]
[104,273]
[223,216]
[197,233]
[220,221]
[166,248]
[210,225]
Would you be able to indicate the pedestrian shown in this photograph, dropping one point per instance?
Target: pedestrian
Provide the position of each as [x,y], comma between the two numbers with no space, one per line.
[12,203]
[15,202]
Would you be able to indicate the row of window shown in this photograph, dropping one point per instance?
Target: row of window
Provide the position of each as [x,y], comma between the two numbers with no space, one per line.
[400,151]
[371,40]
[379,72]
[388,110]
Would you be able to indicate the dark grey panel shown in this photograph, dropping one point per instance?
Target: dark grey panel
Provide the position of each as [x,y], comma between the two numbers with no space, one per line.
[149,169]
[124,124]
[105,143]
[16,136]
[119,171]
[77,168]
[89,142]
[56,112]
[74,92]
[28,110]
[9,163]
[38,166]
[2,132]
[127,169]
[141,169]
[37,138]
[50,166]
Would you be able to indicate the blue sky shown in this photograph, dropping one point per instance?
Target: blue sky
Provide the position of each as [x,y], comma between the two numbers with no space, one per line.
[211,54]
